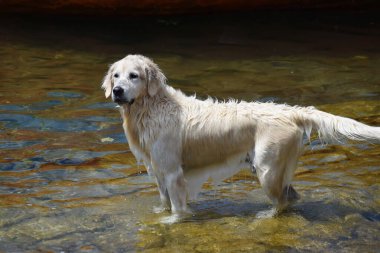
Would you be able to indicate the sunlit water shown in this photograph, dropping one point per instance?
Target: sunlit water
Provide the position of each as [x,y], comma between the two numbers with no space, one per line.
[68,182]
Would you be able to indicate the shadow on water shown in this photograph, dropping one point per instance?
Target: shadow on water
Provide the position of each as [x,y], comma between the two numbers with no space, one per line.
[69,183]
[312,211]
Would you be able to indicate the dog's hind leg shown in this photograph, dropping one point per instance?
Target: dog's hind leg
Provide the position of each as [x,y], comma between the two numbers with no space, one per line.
[276,163]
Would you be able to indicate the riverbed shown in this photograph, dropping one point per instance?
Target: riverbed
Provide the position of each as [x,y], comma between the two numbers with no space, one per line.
[69,183]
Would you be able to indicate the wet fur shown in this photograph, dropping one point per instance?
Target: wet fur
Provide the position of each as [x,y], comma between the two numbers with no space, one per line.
[184,141]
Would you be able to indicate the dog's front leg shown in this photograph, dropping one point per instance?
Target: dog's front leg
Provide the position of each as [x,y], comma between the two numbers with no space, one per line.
[172,187]
[160,181]
[176,186]
[166,164]
[164,195]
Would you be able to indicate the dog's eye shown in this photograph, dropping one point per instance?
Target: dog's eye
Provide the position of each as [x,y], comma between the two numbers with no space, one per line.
[133,75]
[116,75]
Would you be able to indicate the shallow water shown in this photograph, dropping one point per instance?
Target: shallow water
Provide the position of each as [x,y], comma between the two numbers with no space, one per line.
[68,182]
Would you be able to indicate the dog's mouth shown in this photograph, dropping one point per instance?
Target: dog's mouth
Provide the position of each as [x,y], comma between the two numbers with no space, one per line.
[121,101]
[131,101]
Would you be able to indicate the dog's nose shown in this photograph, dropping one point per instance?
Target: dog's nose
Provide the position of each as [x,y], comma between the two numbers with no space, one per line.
[118,91]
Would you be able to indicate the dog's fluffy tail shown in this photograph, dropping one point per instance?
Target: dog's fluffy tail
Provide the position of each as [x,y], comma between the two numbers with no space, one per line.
[333,128]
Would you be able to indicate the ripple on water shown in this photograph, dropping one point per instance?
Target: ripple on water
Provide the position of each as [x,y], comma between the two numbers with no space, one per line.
[17,144]
[65,94]
[19,166]
[102,105]
[39,106]
[21,121]
[68,155]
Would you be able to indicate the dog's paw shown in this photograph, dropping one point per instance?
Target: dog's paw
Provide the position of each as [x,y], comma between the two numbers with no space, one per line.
[267,214]
[171,219]
[160,209]
[177,217]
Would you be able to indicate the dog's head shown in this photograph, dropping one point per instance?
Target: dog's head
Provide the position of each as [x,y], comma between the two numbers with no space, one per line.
[132,78]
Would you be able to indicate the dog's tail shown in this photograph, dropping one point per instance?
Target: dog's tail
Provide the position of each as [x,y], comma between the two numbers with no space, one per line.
[333,128]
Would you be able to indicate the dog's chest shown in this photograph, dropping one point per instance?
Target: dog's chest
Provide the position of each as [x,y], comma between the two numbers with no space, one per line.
[137,144]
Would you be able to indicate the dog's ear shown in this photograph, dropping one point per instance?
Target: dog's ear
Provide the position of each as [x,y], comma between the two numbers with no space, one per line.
[155,78]
[107,81]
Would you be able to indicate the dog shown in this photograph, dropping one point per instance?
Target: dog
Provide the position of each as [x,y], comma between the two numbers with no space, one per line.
[184,141]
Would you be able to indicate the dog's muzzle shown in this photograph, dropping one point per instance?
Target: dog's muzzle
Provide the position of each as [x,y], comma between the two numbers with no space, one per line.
[119,96]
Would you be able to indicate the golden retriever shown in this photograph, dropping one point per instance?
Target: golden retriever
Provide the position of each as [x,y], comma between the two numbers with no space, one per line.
[184,141]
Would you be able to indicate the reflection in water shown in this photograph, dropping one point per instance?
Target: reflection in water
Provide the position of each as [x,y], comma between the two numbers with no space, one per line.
[69,183]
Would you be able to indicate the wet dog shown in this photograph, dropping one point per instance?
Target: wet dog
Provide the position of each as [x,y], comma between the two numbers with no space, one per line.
[184,141]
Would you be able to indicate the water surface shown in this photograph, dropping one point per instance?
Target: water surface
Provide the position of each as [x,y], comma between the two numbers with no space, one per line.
[68,182]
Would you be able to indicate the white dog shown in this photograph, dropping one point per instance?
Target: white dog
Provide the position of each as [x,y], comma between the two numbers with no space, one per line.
[184,141]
